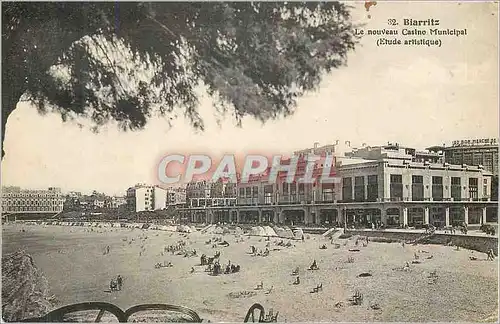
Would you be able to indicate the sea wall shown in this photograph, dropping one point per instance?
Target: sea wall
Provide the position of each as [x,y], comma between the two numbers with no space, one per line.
[471,242]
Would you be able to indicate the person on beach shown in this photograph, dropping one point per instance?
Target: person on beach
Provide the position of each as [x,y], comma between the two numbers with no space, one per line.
[112,285]
[119,281]
[314,266]
[490,255]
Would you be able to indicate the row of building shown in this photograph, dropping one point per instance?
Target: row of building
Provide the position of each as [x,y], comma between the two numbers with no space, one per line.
[52,201]
[389,184]
[76,201]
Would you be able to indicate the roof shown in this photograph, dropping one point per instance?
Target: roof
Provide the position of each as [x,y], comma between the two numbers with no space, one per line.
[435,148]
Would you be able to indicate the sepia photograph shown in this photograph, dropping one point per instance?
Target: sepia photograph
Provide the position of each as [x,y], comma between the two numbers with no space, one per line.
[234,162]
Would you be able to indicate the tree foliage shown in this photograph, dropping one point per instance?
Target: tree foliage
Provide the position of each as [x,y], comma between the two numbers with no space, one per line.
[128,61]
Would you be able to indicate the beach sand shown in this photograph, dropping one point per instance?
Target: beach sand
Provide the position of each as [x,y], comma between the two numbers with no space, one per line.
[72,259]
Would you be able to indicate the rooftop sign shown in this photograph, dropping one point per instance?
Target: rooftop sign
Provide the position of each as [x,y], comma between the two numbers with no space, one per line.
[475,142]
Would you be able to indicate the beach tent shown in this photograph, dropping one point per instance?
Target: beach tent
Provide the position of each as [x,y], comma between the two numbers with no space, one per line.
[298,233]
[193,229]
[106,224]
[238,230]
[145,226]
[209,229]
[117,225]
[225,230]
[153,227]
[218,230]
[279,231]
[268,231]
[184,229]
[288,232]
[257,231]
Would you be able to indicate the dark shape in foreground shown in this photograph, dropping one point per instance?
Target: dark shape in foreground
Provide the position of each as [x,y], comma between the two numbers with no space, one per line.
[130,61]
[25,290]
[167,313]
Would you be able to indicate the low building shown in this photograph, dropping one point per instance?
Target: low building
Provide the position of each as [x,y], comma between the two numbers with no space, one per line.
[17,200]
[115,202]
[144,197]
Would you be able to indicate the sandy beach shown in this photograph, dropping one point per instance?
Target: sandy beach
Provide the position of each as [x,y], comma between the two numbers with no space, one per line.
[72,259]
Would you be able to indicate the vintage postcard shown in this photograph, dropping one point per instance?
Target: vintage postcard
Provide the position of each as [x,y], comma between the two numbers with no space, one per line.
[250,161]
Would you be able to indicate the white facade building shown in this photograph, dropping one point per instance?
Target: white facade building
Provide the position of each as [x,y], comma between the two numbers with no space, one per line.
[146,198]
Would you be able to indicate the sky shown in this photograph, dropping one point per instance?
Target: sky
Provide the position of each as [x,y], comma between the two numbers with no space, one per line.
[416,96]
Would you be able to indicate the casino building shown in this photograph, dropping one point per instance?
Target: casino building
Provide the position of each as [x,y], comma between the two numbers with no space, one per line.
[391,184]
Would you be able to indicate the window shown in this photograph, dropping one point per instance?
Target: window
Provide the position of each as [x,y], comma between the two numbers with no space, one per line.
[396,187]
[347,189]
[372,188]
[473,184]
[467,158]
[456,190]
[417,188]
[327,190]
[417,179]
[437,188]
[359,188]
[477,159]
[437,180]
[396,178]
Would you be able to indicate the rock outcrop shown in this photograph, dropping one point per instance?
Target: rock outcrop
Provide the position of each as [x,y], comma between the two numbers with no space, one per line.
[25,290]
